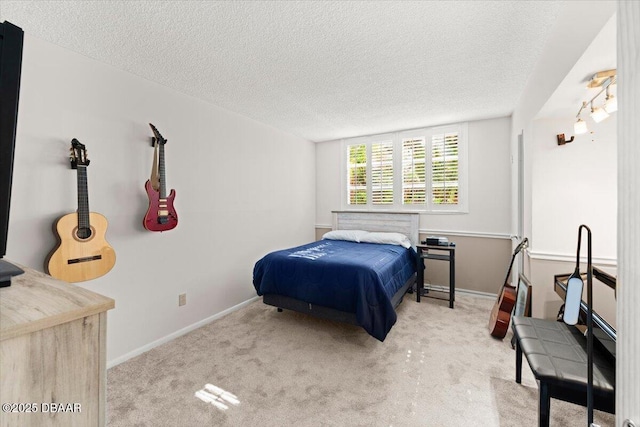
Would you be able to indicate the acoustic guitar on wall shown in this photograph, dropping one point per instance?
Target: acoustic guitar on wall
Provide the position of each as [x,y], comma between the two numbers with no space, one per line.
[82,252]
[501,312]
[161,215]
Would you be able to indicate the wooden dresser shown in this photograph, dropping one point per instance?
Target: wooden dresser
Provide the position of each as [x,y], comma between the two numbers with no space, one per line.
[52,353]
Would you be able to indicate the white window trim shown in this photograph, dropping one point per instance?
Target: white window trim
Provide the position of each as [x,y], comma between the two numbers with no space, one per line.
[397,137]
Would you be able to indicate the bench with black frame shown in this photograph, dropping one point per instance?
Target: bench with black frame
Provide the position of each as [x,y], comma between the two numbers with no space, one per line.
[557,355]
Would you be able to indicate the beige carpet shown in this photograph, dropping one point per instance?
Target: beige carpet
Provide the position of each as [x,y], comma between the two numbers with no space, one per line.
[437,367]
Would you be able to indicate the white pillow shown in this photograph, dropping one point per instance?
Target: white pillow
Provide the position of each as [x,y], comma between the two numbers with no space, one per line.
[387,238]
[348,235]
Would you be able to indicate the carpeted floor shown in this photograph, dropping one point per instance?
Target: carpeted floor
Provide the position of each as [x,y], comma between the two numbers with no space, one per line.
[437,367]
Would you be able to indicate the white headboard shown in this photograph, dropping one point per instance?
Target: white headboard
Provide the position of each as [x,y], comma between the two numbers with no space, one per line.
[406,223]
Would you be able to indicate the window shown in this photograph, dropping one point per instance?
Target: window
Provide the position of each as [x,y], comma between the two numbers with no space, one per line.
[357,169]
[414,181]
[382,173]
[423,169]
[444,169]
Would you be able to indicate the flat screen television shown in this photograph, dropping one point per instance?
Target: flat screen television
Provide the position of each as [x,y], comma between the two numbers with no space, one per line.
[11,40]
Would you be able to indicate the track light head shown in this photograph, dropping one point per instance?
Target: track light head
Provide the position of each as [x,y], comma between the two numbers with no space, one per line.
[580,127]
[598,114]
[611,103]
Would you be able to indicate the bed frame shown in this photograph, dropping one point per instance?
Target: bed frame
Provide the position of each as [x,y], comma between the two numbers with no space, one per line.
[399,222]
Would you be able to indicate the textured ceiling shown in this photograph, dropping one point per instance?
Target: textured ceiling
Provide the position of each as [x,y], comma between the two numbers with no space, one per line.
[320,70]
[601,55]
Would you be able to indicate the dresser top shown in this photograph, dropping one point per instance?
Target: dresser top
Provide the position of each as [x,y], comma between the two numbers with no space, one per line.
[36,301]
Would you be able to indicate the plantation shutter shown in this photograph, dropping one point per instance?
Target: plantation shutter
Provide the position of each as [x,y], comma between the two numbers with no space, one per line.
[357,172]
[444,169]
[382,173]
[413,171]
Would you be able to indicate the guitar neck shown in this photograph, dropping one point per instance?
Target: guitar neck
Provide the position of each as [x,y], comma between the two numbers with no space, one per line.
[513,258]
[506,279]
[83,199]
[161,168]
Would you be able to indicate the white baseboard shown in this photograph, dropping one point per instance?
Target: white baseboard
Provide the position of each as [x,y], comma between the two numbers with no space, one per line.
[178,333]
[442,288]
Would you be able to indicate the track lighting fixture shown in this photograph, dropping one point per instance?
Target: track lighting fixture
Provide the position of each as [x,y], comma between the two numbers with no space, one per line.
[603,80]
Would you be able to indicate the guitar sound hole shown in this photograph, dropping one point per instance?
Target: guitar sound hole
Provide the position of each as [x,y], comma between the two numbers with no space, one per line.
[84,233]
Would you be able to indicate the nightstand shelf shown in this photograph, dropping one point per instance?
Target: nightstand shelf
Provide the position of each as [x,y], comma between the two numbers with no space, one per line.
[439,253]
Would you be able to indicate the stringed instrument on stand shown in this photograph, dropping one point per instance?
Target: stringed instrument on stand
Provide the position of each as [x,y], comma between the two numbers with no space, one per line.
[82,252]
[501,312]
[161,215]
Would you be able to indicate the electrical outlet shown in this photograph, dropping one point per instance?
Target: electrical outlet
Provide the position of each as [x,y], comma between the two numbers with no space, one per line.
[182,300]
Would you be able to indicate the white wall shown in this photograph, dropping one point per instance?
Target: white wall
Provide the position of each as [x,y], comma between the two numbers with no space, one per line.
[576,28]
[574,184]
[489,182]
[329,169]
[243,189]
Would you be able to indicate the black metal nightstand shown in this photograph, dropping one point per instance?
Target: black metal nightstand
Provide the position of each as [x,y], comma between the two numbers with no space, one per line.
[437,253]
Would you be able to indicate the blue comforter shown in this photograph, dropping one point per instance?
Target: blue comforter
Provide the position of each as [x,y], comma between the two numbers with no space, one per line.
[358,278]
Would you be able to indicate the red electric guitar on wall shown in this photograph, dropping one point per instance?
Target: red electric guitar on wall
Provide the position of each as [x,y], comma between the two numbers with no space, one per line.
[161,215]
[501,312]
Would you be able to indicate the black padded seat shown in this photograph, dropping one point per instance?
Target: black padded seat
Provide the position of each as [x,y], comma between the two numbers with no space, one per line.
[557,355]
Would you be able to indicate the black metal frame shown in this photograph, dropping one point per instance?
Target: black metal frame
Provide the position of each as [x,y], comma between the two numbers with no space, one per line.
[606,336]
[528,303]
[589,321]
[423,253]
[288,303]
[564,390]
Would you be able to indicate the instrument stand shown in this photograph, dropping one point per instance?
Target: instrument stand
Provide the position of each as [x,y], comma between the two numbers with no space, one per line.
[590,422]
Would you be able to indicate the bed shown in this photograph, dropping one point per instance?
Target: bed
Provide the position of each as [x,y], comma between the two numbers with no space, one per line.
[359,275]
